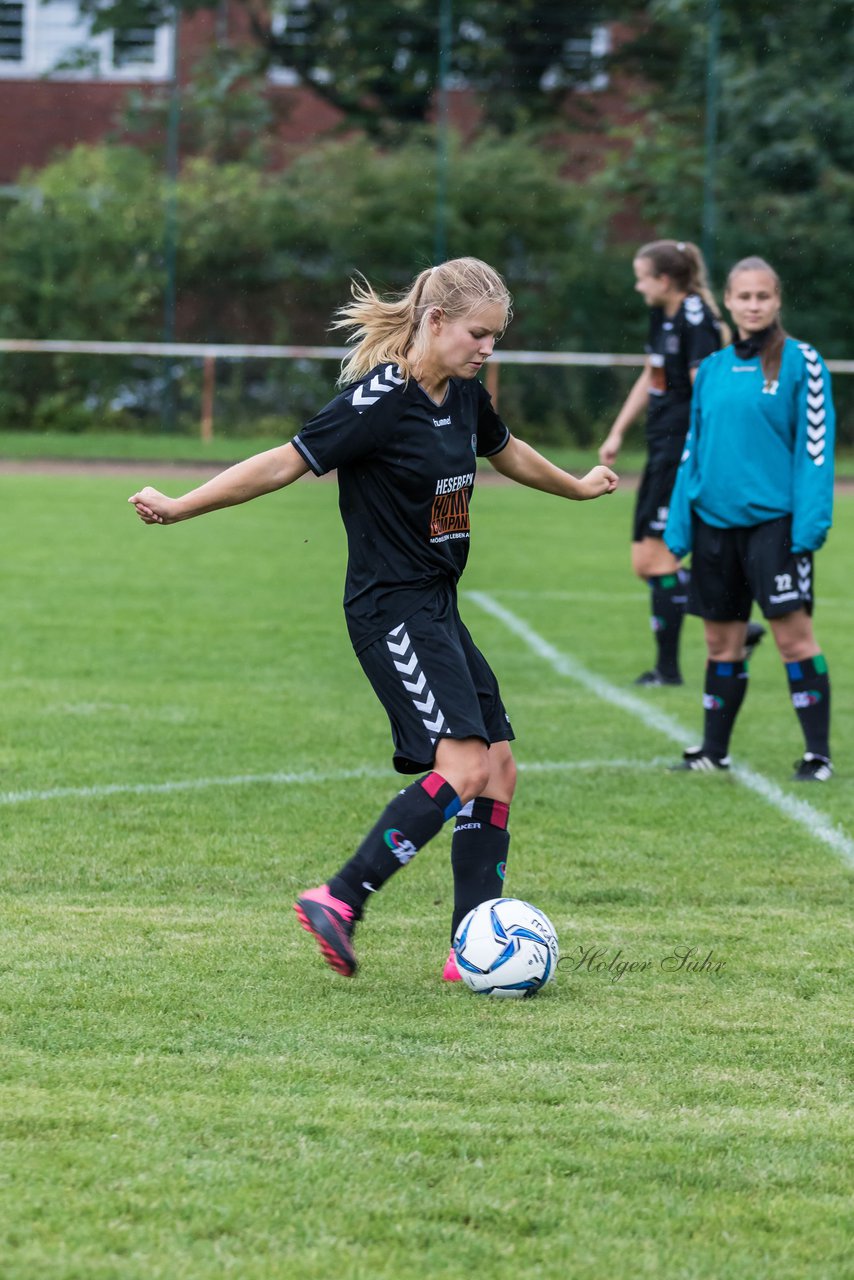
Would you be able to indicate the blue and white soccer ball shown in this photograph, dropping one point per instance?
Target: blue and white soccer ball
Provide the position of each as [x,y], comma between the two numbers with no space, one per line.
[506,947]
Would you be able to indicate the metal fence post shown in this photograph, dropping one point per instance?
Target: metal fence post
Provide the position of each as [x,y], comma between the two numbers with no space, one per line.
[208,388]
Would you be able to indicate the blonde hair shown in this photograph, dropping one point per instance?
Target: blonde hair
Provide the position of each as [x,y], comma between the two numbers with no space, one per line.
[686,266]
[771,355]
[395,329]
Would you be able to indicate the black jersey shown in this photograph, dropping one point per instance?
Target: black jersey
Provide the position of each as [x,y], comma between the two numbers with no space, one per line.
[676,345]
[406,468]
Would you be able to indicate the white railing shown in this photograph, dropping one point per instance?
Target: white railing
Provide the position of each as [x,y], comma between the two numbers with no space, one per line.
[209,352]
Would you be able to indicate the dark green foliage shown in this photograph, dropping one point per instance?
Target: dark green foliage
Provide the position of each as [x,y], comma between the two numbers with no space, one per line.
[785,147]
[226,112]
[378,63]
[268,257]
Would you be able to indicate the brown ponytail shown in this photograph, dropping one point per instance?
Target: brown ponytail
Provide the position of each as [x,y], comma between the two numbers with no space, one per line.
[684,263]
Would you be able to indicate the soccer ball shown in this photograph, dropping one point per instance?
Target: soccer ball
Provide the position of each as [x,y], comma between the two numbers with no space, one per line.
[506,947]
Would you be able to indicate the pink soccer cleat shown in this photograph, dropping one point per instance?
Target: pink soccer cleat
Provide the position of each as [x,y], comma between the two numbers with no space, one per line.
[331,921]
[451,973]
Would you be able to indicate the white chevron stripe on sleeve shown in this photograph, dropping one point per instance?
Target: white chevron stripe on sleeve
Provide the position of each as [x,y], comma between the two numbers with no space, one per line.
[360,399]
[816,409]
[364,395]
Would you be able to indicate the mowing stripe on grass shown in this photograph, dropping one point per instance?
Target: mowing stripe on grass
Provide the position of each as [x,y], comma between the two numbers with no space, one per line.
[306,778]
[800,811]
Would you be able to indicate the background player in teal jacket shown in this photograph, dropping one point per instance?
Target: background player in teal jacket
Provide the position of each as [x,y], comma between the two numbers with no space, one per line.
[684,327]
[752,502]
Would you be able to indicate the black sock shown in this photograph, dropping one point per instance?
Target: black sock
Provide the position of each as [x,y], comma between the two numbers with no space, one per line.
[809,684]
[413,817]
[668,597]
[726,685]
[478,855]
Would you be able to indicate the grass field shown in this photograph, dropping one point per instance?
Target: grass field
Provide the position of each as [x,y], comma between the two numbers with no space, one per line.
[155,446]
[186,1092]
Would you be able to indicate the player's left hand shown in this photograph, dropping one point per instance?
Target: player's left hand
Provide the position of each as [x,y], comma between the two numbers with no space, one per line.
[596,483]
[153,507]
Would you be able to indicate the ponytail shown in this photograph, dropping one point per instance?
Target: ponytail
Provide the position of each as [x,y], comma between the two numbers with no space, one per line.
[393,329]
[684,263]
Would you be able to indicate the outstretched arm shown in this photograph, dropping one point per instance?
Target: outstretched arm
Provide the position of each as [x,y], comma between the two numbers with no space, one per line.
[636,401]
[519,462]
[263,473]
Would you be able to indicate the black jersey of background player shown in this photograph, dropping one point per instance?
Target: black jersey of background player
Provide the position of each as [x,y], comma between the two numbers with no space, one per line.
[676,345]
[406,468]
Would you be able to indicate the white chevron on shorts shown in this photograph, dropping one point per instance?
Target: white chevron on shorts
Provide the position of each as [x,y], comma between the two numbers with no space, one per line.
[423,698]
[407,668]
[804,567]
[816,409]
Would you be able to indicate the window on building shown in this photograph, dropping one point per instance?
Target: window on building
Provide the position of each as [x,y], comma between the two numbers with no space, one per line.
[136,47]
[288,25]
[11,31]
[586,58]
[52,38]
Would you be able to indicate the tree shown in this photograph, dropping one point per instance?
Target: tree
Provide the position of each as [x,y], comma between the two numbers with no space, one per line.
[785,146]
[378,62]
[226,113]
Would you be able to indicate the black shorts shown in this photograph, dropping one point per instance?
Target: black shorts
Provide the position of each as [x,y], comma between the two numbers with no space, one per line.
[652,503]
[434,683]
[730,568]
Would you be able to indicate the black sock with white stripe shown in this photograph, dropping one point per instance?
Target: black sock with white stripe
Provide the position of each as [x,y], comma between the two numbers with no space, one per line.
[478,855]
[726,685]
[413,817]
[809,685]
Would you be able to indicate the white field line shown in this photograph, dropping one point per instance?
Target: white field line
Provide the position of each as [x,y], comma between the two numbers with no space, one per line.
[308,777]
[799,811]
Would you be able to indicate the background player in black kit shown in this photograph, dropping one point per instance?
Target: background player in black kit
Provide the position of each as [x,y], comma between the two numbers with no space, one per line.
[404,436]
[684,328]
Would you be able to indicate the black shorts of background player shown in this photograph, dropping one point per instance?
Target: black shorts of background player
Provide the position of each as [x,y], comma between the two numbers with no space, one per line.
[404,436]
[684,327]
[752,502]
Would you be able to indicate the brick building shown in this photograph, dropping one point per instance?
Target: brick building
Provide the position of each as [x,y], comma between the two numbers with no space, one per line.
[61,85]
